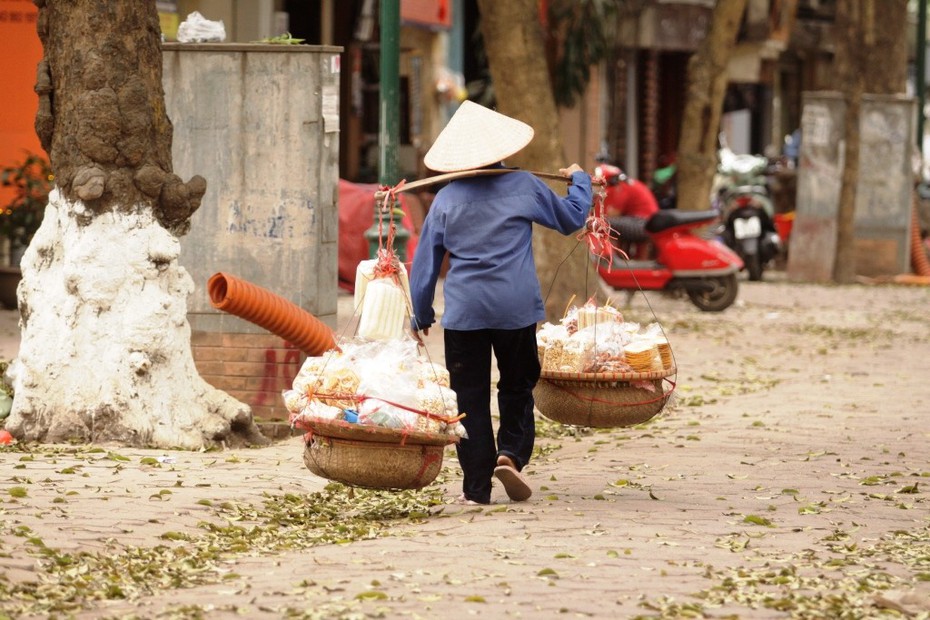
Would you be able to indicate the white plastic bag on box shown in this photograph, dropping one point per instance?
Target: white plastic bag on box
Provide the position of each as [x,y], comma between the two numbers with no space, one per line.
[198,29]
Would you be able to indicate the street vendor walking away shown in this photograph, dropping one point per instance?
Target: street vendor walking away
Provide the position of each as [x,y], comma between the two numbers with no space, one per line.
[491,291]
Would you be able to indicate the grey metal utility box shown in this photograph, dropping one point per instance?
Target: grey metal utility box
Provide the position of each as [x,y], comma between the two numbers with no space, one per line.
[883,189]
[261,123]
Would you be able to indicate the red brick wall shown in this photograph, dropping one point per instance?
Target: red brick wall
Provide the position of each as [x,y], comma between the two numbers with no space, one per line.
[252,368]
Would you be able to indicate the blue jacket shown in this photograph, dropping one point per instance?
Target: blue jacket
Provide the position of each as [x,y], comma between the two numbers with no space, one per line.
[485,223]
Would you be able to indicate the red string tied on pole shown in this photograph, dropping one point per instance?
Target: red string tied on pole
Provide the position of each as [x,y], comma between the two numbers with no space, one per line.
[600,237]
[387,207]
[597,233]
[387,264]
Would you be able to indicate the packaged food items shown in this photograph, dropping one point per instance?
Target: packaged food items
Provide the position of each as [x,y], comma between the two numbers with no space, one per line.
[365,273]
[441,403]
[576,354]
[665,352]
[549,341]
[384,311]
[431,372]
[590,315]
[596,339]
[382,298]
[378,382]
[641,355]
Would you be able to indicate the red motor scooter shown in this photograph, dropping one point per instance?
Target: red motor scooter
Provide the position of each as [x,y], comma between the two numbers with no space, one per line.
[683,262]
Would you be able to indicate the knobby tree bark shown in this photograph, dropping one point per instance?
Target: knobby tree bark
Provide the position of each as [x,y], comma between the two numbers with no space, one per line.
[515,47]
[105,352]
[871,57]
[707,84]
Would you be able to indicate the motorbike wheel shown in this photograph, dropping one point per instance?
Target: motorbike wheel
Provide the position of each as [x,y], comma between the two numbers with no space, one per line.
[753,266]
[719,297]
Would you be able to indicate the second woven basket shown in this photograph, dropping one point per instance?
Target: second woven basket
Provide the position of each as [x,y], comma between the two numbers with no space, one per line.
[602,400]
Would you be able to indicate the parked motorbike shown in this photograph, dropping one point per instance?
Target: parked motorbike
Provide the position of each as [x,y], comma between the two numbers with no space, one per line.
[747,211]
[683,262]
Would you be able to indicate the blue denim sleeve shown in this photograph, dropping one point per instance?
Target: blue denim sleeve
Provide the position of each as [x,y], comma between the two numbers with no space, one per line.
[424,273]
[565,214]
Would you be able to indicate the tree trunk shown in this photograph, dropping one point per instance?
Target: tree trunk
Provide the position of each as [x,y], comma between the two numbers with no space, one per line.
[707,85]
[105,353]
[516,52]
[885,64]
[861,38]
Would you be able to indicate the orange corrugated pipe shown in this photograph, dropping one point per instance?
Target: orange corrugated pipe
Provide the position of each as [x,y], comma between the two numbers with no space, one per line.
[270,311]
[918,254]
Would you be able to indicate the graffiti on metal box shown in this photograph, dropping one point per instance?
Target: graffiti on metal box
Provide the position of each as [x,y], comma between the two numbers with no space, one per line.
[279,222]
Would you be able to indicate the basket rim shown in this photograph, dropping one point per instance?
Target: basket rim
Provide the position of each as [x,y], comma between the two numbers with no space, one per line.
[608,376]
[340,429]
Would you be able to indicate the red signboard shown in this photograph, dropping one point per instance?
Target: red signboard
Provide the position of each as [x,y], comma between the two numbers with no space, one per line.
[20,52]
[430,13]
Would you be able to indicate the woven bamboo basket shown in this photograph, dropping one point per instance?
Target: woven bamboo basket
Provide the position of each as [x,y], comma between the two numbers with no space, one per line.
[373,457]
[373,465]
[602,400]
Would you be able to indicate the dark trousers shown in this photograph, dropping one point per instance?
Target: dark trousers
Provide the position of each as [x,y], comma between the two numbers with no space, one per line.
[468,359]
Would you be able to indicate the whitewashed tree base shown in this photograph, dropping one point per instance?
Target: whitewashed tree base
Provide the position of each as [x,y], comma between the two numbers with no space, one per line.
[105,354]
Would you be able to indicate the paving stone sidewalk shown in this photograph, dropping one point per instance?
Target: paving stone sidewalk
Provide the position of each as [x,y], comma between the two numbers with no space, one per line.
[787,479]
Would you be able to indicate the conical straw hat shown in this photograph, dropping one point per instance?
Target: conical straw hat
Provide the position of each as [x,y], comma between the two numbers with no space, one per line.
[476,137]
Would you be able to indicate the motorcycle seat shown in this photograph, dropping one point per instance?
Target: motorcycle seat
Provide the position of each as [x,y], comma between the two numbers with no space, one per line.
[669,218]
[630,228]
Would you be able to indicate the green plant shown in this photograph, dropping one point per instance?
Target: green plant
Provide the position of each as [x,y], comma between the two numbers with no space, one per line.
[6,393]
[281,39]
[5,386]
[584,33]
[31,181]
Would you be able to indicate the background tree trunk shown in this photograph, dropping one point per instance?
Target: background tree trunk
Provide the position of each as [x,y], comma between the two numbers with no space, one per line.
[871,57]
[105,351]
[707,85]
[516,52]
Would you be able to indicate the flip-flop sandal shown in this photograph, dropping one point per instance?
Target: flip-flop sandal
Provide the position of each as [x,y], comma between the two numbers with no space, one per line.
[514,483]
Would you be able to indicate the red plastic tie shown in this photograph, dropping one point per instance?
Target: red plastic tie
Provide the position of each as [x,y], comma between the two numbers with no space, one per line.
[600,237]
[361,398]
[597,233]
